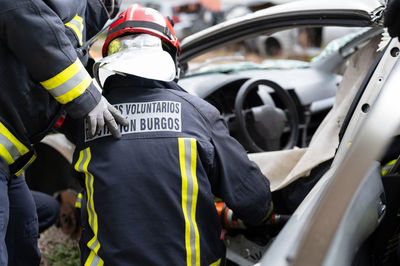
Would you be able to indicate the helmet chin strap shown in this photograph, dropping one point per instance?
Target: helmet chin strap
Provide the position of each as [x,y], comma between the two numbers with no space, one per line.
[178,73]
[96,67]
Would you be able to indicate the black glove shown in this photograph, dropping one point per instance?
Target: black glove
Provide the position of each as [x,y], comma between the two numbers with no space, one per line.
[262,226]
[392,18]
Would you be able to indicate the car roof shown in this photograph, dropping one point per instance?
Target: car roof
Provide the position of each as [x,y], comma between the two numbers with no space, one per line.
[366,6]
[357,13]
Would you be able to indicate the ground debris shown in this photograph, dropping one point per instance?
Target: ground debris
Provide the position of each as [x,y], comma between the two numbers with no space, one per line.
[58,248]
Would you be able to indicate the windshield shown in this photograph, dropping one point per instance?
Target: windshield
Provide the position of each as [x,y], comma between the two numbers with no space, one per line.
[294,48]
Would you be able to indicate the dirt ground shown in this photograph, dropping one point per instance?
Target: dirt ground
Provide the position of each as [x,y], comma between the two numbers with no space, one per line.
[58,249]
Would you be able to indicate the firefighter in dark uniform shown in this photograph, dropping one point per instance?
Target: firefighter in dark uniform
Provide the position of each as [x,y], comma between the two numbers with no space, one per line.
[392,22]
[41,76]
[150,196]
[391,18]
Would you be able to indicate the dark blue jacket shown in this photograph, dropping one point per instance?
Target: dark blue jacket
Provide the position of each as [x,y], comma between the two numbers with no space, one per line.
[40,73]
[151,194]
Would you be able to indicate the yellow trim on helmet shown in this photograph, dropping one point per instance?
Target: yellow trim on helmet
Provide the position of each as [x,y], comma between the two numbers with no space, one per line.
[113,47]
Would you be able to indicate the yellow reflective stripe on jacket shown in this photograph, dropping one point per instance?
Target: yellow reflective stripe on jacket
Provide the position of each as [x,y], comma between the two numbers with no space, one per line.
[78,202]
[76,24]
[31,160]
[6,155]
[187,161]
[10,147]
[69,84]
[94,245]
[269,213]
[217,263]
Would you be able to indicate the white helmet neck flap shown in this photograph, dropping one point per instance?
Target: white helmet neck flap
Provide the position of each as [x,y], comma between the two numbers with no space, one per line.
[140,55]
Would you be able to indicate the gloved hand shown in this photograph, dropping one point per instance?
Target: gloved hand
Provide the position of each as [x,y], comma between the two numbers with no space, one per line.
[105,113]
[392,19]
[230,221]
[266,221]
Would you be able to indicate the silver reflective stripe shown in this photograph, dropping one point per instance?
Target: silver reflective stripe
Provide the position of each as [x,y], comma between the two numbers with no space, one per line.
[10,147]
[79,198]
[188,164]
[89,187]
[89,207]
[95,261]
[190,189]
[94,245]
[78,202]
[84,158]
[78,25]
[70,83]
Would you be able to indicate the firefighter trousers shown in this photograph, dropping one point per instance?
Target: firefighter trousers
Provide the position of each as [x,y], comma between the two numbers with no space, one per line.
[18,223]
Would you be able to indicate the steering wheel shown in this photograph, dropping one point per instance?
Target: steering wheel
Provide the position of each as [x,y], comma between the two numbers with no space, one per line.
[269,120]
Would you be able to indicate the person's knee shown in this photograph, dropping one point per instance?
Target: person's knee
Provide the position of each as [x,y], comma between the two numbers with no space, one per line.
[4,205]
[4,216]
[47,208]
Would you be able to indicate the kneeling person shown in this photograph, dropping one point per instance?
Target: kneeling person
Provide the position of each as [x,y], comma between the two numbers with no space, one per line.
[150,196]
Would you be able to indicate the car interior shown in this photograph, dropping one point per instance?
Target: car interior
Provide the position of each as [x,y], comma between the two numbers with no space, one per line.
[305,135]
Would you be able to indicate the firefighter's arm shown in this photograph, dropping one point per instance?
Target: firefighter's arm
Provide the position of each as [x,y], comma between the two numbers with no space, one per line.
[391,20]
[65,10]
[37,37]
[96,17]
[237,180]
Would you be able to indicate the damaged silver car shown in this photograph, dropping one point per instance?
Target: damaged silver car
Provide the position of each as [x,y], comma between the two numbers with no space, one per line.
[327,175]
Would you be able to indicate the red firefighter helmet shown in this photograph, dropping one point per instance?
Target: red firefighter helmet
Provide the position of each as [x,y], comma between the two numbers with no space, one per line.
[138,19]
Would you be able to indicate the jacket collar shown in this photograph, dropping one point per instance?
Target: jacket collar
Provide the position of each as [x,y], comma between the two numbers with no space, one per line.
[118,81]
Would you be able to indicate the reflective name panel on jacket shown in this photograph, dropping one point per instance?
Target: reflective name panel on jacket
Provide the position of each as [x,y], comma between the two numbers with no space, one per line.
[157,116]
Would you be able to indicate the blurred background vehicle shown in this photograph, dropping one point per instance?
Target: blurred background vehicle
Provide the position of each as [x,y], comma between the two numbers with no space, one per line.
[189,16]
[290,43]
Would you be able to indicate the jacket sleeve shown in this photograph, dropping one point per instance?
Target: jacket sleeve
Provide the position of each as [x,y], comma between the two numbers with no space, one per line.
[236,179]
[96,17]
[65,10]
[36,35]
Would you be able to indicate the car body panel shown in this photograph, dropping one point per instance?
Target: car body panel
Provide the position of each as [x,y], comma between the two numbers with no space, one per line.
[370,135]
[362,217]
